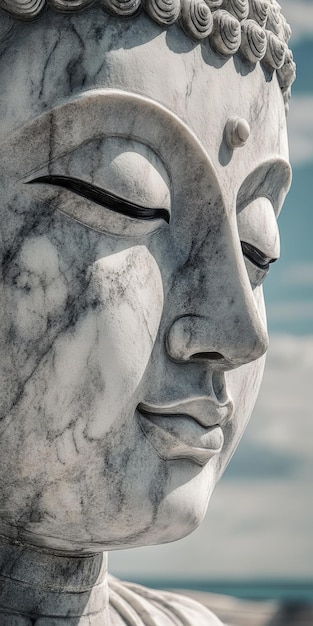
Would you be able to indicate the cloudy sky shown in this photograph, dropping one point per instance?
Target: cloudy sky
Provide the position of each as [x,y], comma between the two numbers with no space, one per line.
[261,515]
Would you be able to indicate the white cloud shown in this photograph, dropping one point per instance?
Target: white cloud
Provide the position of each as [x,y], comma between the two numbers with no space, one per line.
[283,417]
[299,14]
[289,354]
[261,527]
[300,311]
[300,126]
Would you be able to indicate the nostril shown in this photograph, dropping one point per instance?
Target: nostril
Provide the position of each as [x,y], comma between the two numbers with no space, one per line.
[206,356]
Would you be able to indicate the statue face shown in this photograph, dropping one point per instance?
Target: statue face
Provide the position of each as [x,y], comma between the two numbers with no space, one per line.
[134,247]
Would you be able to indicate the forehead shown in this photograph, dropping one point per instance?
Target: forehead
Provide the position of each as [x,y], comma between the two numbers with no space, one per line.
[69,56]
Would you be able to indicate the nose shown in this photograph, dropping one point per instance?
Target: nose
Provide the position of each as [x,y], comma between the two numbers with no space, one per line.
[223,322]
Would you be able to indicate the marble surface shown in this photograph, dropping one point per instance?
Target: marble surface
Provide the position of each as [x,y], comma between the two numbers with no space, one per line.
[256,29]
[40,588]
[141,177]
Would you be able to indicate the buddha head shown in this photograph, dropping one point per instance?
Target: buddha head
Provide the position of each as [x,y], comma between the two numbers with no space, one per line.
[144,161]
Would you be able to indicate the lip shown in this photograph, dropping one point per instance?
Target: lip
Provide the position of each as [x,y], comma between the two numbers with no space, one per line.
[190,429]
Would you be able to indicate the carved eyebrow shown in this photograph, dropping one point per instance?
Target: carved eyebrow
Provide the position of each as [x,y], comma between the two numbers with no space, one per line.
[271,179]
[256,256]
[103,198]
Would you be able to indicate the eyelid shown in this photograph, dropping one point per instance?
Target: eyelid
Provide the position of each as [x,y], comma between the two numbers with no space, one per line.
[256,256]
[103,198]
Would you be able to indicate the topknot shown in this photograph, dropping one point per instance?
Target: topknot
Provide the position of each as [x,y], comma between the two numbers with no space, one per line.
[256,29]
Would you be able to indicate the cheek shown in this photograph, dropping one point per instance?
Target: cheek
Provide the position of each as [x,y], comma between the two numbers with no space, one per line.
[126,294]
[125,304]
[83,354]
[37,292]
[81,396]
[99,363]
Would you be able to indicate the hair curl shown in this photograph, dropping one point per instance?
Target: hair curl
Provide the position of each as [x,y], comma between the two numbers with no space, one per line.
[256,29]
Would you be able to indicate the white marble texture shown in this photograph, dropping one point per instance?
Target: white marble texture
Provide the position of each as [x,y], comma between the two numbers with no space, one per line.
[134,243]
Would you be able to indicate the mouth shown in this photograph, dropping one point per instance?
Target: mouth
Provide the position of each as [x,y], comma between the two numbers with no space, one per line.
[189,430]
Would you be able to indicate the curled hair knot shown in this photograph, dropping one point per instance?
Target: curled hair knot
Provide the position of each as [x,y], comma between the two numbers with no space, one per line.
[286,30]
[274,19]
[226,34]
[124,8]
[258,11]
[23,9]
[287,73]
[214,4]
[163,11]
[196,18]
[253,41]
[275,51]
[238,8]
[68,6]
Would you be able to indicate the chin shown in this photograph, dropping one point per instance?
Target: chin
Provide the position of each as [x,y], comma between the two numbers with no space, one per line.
[180,511]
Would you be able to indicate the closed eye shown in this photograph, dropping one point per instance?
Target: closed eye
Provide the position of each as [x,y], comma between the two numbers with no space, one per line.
[103,198]
[256,257]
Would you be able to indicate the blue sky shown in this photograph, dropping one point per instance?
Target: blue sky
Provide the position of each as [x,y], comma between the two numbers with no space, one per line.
[261,515]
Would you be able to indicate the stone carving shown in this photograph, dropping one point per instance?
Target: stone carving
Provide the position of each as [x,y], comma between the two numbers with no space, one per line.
[163,11]
[196,18]
[238,8]
[258,10]
[264,35]
[226,37]
[125,8]
[253,41]
[237,132]
[275,51]
[135,238]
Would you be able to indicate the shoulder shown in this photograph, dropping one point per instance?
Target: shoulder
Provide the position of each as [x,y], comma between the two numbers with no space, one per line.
[135,604]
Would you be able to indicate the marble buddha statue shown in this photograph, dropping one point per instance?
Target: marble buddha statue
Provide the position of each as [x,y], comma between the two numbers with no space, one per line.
[144,161]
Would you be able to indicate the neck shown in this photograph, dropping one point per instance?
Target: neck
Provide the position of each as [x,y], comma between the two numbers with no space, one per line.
[59,588]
